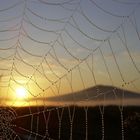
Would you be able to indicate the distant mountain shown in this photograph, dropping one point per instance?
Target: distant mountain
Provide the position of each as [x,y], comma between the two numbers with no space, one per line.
[99,92]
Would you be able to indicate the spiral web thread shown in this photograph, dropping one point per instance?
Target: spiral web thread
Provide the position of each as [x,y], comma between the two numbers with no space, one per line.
[46,54]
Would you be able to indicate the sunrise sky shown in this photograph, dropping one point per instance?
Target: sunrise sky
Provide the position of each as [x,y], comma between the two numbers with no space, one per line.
[50,48]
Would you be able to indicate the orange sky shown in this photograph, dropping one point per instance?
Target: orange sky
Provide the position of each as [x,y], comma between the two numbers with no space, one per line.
[52,49]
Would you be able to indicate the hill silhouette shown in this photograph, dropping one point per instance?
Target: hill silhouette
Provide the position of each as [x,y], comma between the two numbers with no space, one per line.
[97,92]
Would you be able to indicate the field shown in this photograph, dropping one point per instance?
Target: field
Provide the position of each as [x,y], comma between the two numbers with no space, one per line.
[37,123]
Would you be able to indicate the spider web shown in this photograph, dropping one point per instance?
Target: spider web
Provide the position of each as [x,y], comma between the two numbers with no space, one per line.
[57,50]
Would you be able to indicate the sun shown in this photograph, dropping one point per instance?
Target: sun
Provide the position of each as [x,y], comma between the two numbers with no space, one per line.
[21,93]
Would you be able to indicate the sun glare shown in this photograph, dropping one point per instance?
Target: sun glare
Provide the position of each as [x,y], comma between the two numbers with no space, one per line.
[21,93]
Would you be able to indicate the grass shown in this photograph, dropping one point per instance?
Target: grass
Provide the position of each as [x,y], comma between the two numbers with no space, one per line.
[112,123]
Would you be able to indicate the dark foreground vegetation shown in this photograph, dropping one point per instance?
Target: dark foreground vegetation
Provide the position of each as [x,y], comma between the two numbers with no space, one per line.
[43,121]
